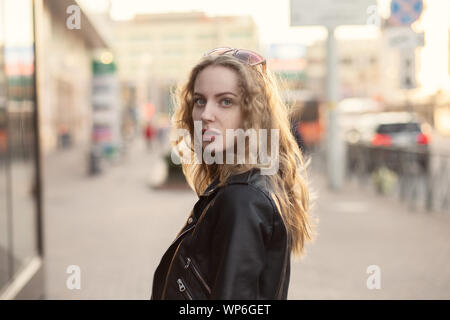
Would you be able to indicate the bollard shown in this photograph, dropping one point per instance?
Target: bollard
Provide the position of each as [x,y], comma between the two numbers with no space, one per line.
[94,161]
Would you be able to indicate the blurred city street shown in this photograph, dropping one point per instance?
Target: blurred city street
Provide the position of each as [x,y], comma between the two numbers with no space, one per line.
[91,93]
[116,228]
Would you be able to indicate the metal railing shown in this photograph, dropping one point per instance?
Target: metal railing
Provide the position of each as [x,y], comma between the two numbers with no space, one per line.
[417,177]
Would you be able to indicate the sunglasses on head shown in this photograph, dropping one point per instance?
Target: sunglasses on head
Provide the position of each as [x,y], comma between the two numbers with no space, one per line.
[249,57]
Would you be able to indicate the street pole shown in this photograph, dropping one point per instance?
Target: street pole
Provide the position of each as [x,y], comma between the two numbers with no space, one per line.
[335,143]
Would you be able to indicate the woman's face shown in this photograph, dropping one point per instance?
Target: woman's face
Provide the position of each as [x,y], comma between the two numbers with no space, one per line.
[217,106]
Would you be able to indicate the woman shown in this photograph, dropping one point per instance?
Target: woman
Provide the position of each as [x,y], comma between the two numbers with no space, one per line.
[237,241]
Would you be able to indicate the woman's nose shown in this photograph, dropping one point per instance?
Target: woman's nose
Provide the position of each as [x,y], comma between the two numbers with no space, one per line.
[208,112]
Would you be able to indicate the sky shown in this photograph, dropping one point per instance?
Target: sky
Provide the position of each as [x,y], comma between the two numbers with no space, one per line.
[272,17]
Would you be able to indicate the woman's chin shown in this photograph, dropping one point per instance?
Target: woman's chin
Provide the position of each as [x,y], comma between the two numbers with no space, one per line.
[210,149]
[209,146]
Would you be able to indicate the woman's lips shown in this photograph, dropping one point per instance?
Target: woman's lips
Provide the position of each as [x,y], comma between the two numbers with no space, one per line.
[208,138]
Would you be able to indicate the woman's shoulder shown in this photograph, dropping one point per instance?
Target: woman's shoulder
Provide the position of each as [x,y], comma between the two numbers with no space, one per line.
[242,193]
[252,181]
[250,192]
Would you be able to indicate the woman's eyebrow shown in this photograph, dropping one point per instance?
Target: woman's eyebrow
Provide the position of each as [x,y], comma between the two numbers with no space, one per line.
[217,95]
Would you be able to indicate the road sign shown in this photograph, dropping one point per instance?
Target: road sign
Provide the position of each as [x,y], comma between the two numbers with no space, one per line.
[405,12]
[407,69]
[404,38]
[330,13]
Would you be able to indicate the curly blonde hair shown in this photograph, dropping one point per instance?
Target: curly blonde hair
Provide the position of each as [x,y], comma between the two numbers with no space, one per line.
[262,108]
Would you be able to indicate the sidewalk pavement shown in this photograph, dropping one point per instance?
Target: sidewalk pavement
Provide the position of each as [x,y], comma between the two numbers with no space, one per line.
[116,228]
[358,229]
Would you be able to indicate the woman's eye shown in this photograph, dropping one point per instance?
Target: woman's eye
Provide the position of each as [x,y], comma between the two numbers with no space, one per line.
[199,101]
[227,102]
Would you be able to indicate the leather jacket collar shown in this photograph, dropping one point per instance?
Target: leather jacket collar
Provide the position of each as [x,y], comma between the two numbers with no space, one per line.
[237,178]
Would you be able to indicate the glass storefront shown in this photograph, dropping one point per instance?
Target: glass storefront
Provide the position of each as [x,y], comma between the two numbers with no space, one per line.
[19,227]
[4,260]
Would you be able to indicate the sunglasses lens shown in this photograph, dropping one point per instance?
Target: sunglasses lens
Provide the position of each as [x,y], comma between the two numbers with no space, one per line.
[249,57]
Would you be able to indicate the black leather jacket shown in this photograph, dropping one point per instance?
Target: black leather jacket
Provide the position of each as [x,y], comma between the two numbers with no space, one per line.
[234,246]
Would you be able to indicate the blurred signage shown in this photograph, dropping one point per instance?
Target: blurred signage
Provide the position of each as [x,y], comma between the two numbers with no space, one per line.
[99,67]
[405,12]
[407,69]
[329,12]
[404,38]
[106,114]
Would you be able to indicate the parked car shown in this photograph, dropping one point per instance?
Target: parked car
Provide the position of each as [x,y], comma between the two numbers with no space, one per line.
[408,137]
[400,130]
[396,140]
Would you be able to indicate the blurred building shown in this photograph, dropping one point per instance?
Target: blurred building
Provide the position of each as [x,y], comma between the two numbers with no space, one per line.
[359,67]
[65,75]
[287,61]
[45,101]
[154,51]
[21,241]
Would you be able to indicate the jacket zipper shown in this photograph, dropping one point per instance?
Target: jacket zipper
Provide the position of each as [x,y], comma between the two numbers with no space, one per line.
[176,251]
[173,258]
[190,262]
[168,273]
[182,289]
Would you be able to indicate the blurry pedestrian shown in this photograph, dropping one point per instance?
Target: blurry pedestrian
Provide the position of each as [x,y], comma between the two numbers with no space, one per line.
[149,133]
[162,135]
[237,241]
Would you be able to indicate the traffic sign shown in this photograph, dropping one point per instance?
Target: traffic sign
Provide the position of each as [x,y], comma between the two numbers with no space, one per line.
[405,12]
[407,69]
[404,38]
[330,13]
